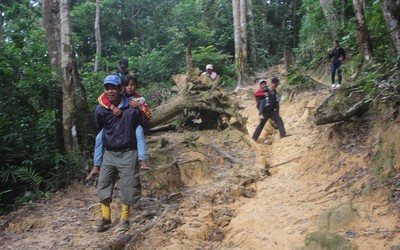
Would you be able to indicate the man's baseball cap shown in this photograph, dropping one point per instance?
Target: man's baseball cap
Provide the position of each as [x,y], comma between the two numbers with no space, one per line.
[123,62]
[209,66]
[261,81]
[112,79]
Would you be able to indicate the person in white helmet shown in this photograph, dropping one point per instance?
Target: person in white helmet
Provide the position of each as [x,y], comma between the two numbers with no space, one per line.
[210,72]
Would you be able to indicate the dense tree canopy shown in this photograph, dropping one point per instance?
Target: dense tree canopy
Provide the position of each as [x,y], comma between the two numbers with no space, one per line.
[154,35]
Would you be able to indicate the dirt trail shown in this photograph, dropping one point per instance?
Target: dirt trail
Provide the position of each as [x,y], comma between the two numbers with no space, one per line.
[289,203]
[229,206]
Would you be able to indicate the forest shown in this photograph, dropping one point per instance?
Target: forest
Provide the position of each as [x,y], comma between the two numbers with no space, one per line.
[55,54]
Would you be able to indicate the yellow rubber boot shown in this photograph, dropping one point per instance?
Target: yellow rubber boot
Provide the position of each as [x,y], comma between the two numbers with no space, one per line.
[125,212]
[105,222]
[123,225]
[106,211]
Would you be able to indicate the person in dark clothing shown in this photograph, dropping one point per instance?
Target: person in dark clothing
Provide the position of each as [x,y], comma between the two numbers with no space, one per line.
[122,70]
[270,111]
[337,54]
[120,154]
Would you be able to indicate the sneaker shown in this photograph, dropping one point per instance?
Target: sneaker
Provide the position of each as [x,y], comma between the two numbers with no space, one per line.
[337,85]
[102,225]
[287,135]
[123,226]
[333,85]
[261,117]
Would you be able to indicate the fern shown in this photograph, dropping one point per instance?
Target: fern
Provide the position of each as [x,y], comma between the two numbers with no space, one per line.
[29,176]
[7,175]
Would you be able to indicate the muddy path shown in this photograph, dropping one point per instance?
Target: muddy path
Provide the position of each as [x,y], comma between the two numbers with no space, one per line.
[211,190]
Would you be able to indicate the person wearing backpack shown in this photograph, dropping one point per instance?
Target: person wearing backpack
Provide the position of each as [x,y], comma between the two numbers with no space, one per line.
[269,108]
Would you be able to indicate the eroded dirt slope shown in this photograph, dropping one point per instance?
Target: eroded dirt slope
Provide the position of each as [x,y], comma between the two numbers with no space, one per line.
[210,190]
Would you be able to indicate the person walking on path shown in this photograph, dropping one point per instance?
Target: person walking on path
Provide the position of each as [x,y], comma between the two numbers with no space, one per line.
[120,154]
[135,100]
[337,55]
[270,109]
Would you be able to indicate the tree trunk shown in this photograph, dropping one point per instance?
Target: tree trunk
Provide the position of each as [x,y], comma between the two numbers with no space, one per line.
[98,37]
[343,105]
[253,41]
[391,12]
[1,26]
[200,95]
[76,121]
[290,59]
[296,22]
[189,58]
[238,41]
[331,17]
[243,35]
[364,40]
[51,21]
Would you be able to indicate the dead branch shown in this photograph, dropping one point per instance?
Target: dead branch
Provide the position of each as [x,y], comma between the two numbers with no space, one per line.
[283,163]
[188,161]
[224,153]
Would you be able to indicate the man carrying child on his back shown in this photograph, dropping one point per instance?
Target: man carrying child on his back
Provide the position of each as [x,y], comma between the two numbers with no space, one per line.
[268,107]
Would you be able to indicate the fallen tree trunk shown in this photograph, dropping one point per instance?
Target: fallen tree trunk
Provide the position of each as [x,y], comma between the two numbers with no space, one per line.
[199,98]
[342,105]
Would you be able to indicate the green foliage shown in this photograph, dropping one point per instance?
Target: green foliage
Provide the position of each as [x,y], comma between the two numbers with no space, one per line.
[153,66]
[377,30]
[67,169]
[29,176]
[383,161]
[297,81]
[316,34]
[28,116]
[93,83]
[204,55]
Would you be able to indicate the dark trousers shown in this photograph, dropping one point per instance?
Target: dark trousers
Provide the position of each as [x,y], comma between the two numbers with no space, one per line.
[336,67]
[274,115]
[261,105]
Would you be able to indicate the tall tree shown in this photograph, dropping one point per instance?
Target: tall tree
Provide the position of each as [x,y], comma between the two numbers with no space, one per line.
[295,22]
[238,40]
[240,34]
[51,21]
[329,10]
[364,40]
[98,37]
[243,32]
[1,26]
[75,108]
[253,41]
[391,12]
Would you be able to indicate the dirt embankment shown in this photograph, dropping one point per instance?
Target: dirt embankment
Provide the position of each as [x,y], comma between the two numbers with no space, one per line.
[210,190]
